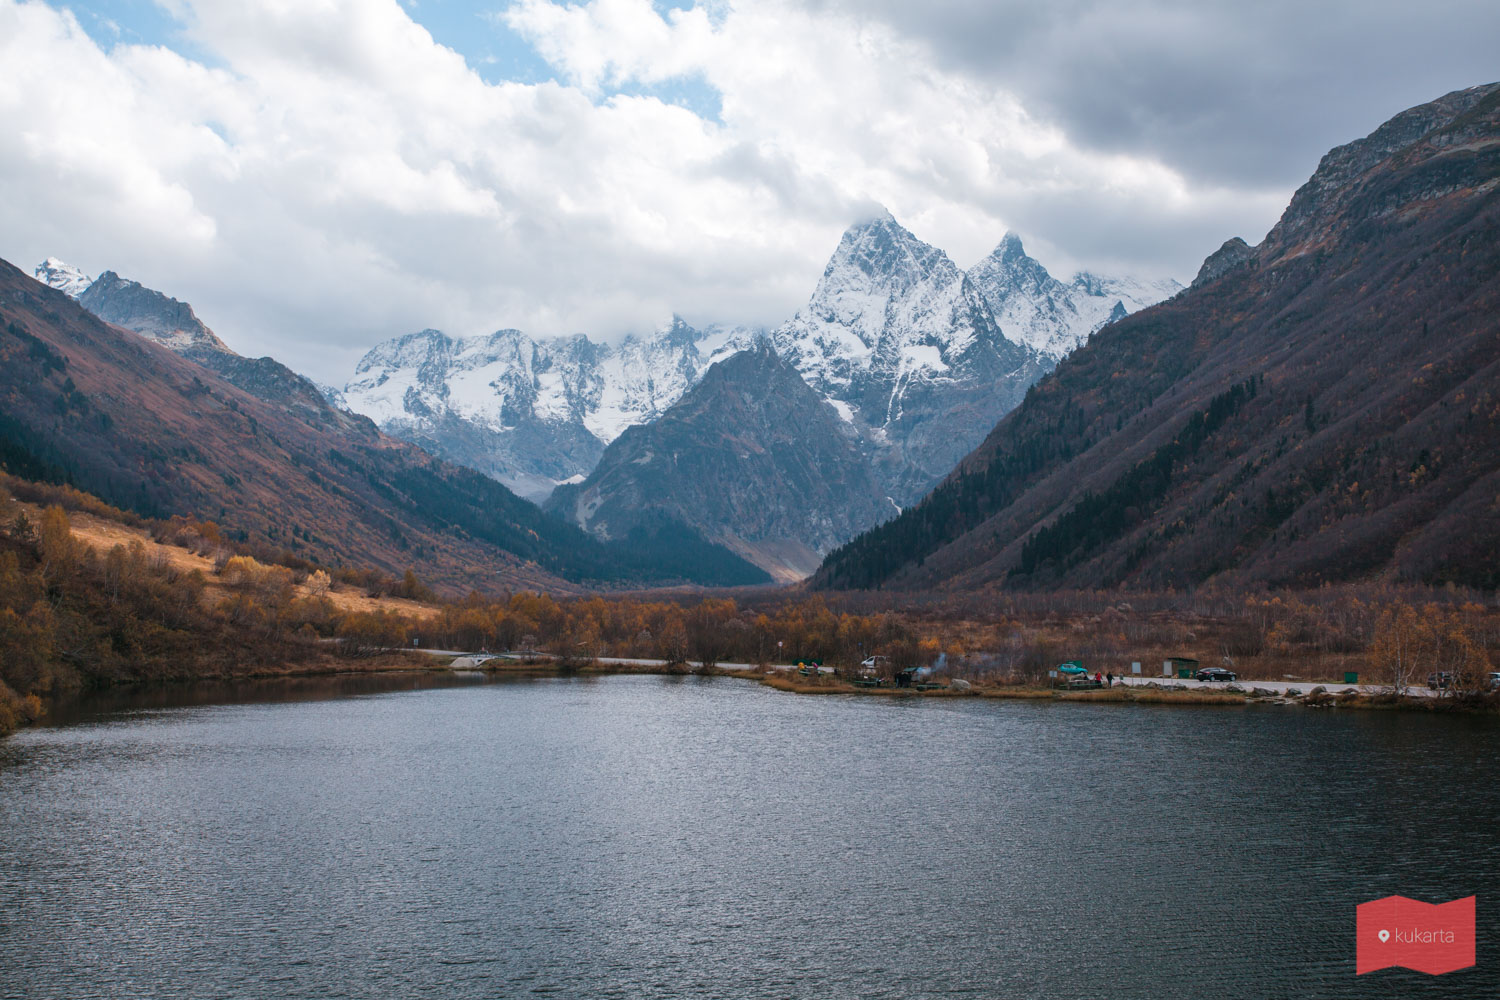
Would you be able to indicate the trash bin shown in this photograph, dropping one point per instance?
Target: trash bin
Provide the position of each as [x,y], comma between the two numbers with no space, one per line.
[1351,677]
[1185,673]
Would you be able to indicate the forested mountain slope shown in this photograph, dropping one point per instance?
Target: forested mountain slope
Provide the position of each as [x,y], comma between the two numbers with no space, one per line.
[1325,406]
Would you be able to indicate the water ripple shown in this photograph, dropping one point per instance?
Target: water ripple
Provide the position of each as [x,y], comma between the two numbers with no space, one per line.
[641,838]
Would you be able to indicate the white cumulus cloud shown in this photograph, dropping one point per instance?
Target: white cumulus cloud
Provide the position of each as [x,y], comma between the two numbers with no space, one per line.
[325,175]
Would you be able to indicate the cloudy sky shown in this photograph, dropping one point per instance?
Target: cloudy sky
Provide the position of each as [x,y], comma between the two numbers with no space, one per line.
[318,175]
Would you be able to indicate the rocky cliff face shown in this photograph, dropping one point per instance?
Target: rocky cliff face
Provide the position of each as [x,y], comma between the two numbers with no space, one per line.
[164,320]
[1234,253]
[1452,123]
[151,314]
[1048,315]
[751,457]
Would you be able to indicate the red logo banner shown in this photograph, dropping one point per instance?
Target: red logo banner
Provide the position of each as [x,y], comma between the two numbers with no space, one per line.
[1428,937]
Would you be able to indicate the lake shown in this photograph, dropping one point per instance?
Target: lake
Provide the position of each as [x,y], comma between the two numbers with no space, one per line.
[692,837]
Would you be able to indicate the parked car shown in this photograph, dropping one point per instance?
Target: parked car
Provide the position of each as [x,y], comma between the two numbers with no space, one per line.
[1216,674]
[875,662]
[1440,680]
[1495,680]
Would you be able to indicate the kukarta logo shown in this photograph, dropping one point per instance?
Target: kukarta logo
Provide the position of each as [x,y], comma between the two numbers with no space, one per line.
[1428,937]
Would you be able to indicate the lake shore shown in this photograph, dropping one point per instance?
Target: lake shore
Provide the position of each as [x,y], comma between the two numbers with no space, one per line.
[1131,690]
[1126,690]
[1151,693]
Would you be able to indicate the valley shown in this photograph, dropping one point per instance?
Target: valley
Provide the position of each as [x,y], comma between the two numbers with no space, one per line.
[904,348]
[98,598]
[1185,480]
[154,431]
[727,499]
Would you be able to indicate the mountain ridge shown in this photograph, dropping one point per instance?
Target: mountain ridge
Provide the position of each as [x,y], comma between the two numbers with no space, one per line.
[1051,316]
[751,456]
[151,430]
[528,412]
[1363,322]
[173,324]
[536,412]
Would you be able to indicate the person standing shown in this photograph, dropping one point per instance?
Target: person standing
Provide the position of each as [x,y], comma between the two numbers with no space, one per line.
[1111,678]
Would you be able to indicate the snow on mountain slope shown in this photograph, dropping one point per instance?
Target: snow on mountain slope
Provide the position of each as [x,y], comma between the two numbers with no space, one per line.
[903,342]
[887,303]
[1048,315]
[917,357]
[530,412]
[62,276]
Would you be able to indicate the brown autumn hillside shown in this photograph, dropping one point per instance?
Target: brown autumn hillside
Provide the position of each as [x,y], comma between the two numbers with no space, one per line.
[1323,407]
[148,430]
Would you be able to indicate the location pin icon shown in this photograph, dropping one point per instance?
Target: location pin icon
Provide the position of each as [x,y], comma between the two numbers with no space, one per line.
[1384,936]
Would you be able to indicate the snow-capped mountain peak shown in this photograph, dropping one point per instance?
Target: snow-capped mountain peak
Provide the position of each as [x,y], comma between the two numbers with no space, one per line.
[1048,315]
[917,359]
[898,339]
[62,276]
[877,263]
[888,307]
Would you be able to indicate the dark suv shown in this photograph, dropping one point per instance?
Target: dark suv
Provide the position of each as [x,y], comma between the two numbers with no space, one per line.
[1215,674]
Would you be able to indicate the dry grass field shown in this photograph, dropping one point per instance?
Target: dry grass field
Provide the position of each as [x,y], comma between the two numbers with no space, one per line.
[102,534]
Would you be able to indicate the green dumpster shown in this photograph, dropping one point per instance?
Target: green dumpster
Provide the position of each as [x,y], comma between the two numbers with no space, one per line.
[1351,677]
[1185,673]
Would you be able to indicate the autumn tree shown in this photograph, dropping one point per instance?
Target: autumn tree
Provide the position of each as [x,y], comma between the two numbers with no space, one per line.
[413,589]
[1456,652]
[1400,637]
[708,630]
[364,632]
[57,547]
[28,648]
[18,590]
[672,641]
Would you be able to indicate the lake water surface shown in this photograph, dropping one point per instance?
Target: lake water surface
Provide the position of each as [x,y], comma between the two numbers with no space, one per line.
[684,837]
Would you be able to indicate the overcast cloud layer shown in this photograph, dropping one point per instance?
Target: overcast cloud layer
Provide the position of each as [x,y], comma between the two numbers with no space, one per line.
[319,177]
